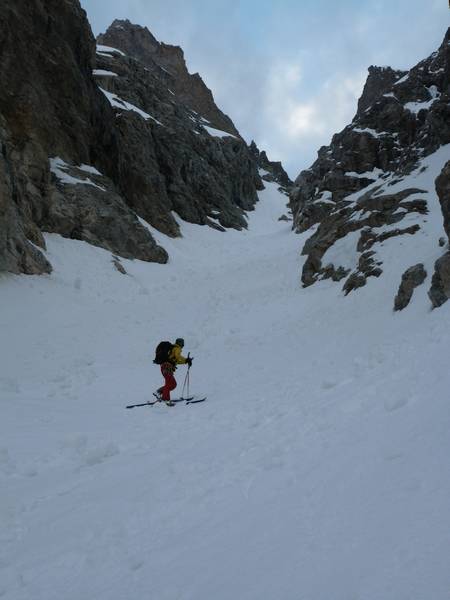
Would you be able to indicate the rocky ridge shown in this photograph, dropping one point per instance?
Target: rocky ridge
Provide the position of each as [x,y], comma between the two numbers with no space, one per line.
[363,186]
[97,142]
[176,161]
[274,169]
[168,61]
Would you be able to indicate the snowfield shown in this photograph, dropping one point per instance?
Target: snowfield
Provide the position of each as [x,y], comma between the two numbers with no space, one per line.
[317,469]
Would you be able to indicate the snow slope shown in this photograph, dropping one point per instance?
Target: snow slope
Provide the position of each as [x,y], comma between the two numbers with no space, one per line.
[317,468]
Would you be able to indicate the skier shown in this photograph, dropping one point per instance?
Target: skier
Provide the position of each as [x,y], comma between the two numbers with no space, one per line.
[168,367]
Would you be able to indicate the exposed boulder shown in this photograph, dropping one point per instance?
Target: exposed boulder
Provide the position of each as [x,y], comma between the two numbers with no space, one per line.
[443,192]
[440,284]
[368,238]
[355,281]
[411,278]
[118,265]
[367,267]
[330,272]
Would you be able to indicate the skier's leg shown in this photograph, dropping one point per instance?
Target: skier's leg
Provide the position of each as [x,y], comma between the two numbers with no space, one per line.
[169,383]
[164,390]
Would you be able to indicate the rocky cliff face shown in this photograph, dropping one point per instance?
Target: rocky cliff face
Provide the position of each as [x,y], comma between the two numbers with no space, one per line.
[379,81]
[273,169]
[50,106]
[372,183]
[172,158]
[440,285]
[137,42]
[92,138]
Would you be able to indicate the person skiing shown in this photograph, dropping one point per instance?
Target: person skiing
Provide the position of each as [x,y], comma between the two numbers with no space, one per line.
[168,367]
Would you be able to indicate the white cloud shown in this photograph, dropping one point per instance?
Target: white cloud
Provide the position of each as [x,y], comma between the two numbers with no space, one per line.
[340,94]
[281,104]
[303,119]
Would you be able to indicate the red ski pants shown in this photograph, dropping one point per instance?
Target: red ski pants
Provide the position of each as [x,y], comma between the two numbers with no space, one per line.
[169,382]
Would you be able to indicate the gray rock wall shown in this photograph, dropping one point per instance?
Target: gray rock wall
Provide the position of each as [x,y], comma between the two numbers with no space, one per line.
[148,142]
[443,192]
[168,161]
[137,42]
[440,285]
[51,106]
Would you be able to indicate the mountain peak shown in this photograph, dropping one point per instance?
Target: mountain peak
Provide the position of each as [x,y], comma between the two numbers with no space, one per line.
[139,43]
[379,81]
[273,169]
[129,29]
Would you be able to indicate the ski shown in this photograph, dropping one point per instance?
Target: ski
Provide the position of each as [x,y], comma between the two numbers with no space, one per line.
[195,401]
[189,400]
[159,399]
[143,404]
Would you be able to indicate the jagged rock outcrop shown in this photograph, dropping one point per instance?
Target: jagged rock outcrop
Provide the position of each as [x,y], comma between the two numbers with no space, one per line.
[137,42]
[411,278]
[91,140]
[274,169]
[92,210]
[440,285]
[379,81]
[443,192]
[364,184]
[439,291]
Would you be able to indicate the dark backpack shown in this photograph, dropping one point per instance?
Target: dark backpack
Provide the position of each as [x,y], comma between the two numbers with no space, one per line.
[162,352]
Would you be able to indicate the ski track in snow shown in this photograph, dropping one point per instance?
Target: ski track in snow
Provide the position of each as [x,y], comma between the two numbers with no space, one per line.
[317,468]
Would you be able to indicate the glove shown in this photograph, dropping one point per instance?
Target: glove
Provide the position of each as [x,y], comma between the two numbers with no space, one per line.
[189,361]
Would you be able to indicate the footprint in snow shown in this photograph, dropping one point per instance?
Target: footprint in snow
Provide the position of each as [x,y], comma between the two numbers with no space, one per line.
[392,404]
[329,385]
[136,564]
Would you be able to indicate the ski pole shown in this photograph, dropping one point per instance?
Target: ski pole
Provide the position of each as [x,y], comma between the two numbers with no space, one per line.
[186,380]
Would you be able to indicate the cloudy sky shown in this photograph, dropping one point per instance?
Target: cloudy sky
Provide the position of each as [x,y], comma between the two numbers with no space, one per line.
[288,72]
